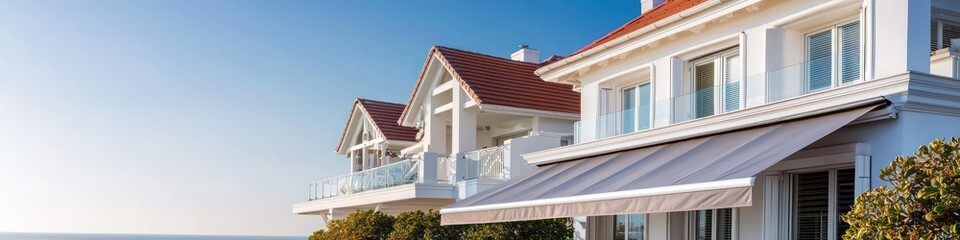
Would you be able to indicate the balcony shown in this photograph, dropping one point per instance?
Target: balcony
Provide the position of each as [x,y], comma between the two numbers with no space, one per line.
[400,173]
[756,90]
[485,164]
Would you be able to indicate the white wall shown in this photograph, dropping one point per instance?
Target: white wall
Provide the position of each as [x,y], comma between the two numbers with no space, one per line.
[771,36]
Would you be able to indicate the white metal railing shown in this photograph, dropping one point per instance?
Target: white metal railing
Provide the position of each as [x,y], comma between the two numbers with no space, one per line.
[394,174]
[486,164]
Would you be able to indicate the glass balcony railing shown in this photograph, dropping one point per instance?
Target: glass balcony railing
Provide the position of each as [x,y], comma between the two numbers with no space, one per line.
[446,169]
[791,81]
[485,164]
[394,174]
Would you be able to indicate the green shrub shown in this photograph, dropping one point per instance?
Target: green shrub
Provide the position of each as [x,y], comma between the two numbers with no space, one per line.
[922,203]
[549,229]
[423,225]
[426,225]
[360,225]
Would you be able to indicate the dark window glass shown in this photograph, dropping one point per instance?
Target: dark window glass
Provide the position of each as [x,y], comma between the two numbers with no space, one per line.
[619,227]
[812,205]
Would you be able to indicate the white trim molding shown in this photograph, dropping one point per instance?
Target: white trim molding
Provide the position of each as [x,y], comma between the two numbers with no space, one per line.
[646,192]
[826,101]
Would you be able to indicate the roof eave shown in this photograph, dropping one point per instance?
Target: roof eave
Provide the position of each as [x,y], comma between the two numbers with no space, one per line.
[552,72]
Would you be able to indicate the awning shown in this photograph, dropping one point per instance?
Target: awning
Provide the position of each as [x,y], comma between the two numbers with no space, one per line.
[702,173]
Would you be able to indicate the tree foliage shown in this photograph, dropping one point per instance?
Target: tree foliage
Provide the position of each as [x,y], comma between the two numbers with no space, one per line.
[426,225]
[360,225]
[561,228]
[423,225]
[923,201]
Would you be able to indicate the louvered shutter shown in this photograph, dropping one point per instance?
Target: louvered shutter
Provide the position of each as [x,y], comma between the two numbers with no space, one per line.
[850,52]
[731,83]
[812,203]
[935,40]
[951,30]
[703,85]
[724,224]
[704,223]
[819,48]
[846,180]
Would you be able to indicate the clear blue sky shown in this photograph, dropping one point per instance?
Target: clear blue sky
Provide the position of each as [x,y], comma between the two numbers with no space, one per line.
[211,117]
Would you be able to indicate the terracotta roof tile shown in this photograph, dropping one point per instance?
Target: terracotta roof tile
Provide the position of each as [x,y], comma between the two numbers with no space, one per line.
[666,9]
[384,116]
[505,82]
[551,59]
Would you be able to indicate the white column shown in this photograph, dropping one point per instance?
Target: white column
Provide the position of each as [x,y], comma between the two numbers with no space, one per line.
[900,35]
[435,131]
[464,123]
[428,168]
[365,156]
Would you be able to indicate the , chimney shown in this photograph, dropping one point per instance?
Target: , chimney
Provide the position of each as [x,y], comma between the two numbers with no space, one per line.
[647,5]
[526,54]
[946,62]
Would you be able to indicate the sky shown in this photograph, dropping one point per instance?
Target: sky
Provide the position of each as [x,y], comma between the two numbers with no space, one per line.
[212,117]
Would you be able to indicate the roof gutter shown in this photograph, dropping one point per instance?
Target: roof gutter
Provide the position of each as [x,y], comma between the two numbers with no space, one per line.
[527,112]
[617,41]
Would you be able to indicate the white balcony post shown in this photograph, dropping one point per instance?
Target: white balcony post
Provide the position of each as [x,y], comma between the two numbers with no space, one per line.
[428,168]
[435,131]
[464,124]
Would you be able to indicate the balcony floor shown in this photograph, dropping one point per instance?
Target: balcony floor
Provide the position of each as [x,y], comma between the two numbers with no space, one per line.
[393,200]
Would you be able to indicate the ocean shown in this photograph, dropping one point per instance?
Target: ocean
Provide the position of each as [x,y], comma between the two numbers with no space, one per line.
[91,236]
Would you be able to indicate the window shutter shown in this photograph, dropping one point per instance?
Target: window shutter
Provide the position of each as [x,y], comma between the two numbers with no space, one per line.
[940,40]
[850,52]
[731,83]
[935,35]
[704,221]
[812,205]
[819,48]
[846,182]
[724,224]
[703,87]
[951,30]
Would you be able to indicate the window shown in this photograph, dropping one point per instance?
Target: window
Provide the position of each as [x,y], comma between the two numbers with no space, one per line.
[635,108]
[566,140]
[819,200]
[715,224]
[833,56]
[629,227]
[715,83]
[941,32]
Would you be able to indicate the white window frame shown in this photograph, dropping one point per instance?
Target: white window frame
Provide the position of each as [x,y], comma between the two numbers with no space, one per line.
[835,52]
[636,100]
[719,67]
[832,219]
[692,225]
[626,234]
